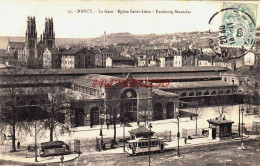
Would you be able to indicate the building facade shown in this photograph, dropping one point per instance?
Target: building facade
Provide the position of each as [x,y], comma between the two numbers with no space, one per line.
[138,103]
[77,58]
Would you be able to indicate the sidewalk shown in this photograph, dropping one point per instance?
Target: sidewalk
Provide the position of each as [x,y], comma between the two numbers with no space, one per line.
[199,142]
[41,160]
[133,124]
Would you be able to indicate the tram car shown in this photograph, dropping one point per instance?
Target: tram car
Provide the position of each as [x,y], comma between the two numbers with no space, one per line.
[141,145]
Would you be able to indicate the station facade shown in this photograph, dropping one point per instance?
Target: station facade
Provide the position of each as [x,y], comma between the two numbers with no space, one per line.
[120,101]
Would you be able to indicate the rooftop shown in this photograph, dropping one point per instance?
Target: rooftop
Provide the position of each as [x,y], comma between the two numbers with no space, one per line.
[16,45]
[220,120]
[89,80]
[144,70]
[197,84]
[158,92]
[121,58]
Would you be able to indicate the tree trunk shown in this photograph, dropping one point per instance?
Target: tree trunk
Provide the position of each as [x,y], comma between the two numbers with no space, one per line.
[51,133]
[196,125]
[13,138]
[51,123]
[114,130]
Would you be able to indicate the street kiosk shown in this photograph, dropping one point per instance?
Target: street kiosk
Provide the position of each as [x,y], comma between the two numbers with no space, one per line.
[220,128]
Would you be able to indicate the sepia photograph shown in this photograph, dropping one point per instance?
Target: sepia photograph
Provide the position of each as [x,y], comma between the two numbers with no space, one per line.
[129,83]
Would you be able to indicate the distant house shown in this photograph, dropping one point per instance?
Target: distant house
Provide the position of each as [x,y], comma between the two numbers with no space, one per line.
[215,61]
[52,58]
[177,60]
[119,62]
[166,61]
[16,49]
[249,59]
[142,60]
[3,57]
[203,61]
[77,58]
[188,58]
[102,54]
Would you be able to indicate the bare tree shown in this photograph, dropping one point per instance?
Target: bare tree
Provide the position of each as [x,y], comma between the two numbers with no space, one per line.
[197,112]
[12,101]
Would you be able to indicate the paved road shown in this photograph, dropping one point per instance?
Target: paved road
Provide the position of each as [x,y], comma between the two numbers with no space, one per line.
[218,155]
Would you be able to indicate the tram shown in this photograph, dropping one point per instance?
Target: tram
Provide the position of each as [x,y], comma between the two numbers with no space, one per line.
[141,145]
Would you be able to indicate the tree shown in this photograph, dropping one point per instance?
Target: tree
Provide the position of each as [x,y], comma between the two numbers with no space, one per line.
[114,112]
[197,111]
[56,104]
[12,101]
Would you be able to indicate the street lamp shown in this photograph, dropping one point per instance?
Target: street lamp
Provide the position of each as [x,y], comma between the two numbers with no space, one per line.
[242,111]
[101,133]
[150,126]
[178,135]
[239,125]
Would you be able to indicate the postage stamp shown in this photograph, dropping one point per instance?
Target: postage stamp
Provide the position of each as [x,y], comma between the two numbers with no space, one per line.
[238,25]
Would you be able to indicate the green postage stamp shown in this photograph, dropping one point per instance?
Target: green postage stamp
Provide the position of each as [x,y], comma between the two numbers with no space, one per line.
[238,25]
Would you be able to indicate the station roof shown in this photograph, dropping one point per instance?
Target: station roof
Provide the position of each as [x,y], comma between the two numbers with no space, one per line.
[116,71]
[197,84]
[88,80]
[158,92]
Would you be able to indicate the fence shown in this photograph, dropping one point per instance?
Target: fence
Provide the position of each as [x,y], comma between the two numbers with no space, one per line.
[186,132]
[166,135]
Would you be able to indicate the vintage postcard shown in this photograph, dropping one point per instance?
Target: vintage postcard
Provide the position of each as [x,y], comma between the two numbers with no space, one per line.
[129,83]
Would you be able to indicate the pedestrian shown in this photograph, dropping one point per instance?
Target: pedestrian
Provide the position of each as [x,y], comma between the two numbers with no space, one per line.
[162,146]
[29,147]
[18,145]
[107,125]
[101,134]
[185,140]
[138,122]
[191,117]
[61,160]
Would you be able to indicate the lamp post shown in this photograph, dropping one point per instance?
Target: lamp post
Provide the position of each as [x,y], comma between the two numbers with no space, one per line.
[101,132]
[35,141]
[178,135]
[239,121]
[150,126]
[124,133]
[242,110]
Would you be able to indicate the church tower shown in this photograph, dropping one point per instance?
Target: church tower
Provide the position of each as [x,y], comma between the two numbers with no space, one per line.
[48,34]
[31,39]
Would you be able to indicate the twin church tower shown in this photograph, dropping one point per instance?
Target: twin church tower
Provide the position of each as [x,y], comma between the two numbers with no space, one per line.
[32,48]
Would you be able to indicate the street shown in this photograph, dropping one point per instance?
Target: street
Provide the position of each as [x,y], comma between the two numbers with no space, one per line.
[219,155]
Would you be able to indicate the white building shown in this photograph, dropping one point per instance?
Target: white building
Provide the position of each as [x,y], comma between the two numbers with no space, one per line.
[177,60]
[249,59]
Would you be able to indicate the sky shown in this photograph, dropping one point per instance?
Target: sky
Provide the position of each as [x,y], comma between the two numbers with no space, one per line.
[13,16]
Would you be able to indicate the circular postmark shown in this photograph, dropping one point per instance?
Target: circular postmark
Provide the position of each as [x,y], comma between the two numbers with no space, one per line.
[237,30]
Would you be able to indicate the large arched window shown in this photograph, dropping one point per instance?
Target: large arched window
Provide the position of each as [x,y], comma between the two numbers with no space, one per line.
[170,110]
[213,93]
[183,94]
[129,105]
[206,93]
[157,111]
[191,94]
[94,116]
[198,93]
